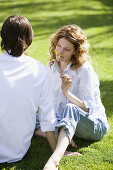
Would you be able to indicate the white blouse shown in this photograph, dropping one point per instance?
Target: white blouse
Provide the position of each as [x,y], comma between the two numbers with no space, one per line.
[85,86]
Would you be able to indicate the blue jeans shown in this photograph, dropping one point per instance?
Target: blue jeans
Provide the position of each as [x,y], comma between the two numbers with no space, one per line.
[77,122]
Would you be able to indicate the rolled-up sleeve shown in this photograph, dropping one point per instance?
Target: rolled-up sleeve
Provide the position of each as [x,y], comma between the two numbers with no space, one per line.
[46,111]
[86,88]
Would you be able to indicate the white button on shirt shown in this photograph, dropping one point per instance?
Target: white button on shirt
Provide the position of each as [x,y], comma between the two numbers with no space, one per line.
[85,86]
[24,88]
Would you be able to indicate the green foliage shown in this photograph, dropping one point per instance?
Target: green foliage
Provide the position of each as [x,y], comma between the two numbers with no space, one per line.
[96,18]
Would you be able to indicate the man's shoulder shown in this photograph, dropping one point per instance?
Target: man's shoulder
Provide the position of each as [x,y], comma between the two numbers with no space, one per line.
[35,63]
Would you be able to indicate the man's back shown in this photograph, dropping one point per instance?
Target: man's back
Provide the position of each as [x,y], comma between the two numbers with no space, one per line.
[20,90]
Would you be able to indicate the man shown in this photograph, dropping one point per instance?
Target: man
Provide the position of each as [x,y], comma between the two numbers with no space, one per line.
[24,88]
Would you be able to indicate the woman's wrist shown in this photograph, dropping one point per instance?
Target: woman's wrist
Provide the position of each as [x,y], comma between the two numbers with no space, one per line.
[66,93]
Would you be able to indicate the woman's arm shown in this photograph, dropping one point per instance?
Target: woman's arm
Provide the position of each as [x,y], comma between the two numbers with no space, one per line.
[66,84]
[75,100]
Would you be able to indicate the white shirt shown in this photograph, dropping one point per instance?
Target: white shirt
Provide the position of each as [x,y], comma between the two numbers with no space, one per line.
[24,88]
[85,86]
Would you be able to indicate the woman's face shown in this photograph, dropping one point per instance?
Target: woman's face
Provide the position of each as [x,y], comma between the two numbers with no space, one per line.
[64,50]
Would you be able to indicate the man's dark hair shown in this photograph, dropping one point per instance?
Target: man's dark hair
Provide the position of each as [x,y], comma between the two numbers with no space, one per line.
[16,34]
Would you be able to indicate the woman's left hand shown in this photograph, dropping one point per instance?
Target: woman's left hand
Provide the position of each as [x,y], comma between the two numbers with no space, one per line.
[66,83]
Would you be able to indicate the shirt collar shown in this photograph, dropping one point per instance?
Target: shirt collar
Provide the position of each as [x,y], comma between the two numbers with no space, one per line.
[67,70]
[14,57]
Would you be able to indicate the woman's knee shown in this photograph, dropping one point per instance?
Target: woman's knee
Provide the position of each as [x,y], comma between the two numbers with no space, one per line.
[100,130]
[71,112]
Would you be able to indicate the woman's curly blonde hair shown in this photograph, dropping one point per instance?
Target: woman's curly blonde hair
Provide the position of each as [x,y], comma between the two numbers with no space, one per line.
[76,36]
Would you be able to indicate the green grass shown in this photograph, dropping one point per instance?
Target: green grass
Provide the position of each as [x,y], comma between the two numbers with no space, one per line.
[96,18]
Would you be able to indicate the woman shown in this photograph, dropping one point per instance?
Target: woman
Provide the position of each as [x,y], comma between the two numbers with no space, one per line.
[77,102]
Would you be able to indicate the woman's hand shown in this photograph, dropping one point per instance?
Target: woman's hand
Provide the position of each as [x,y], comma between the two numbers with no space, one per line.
[66,83]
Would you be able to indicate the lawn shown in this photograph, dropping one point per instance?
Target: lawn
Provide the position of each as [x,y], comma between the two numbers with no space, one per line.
[96,18]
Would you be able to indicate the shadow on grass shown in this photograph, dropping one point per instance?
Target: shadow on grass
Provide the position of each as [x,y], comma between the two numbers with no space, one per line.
[107,3]
[106,88]
[49,22]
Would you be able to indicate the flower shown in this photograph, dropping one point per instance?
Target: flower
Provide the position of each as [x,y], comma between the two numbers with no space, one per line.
[57,53]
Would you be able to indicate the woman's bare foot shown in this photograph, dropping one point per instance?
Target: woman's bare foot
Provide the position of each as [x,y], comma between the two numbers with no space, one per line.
[38,132]
[68,153]
[73,144]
